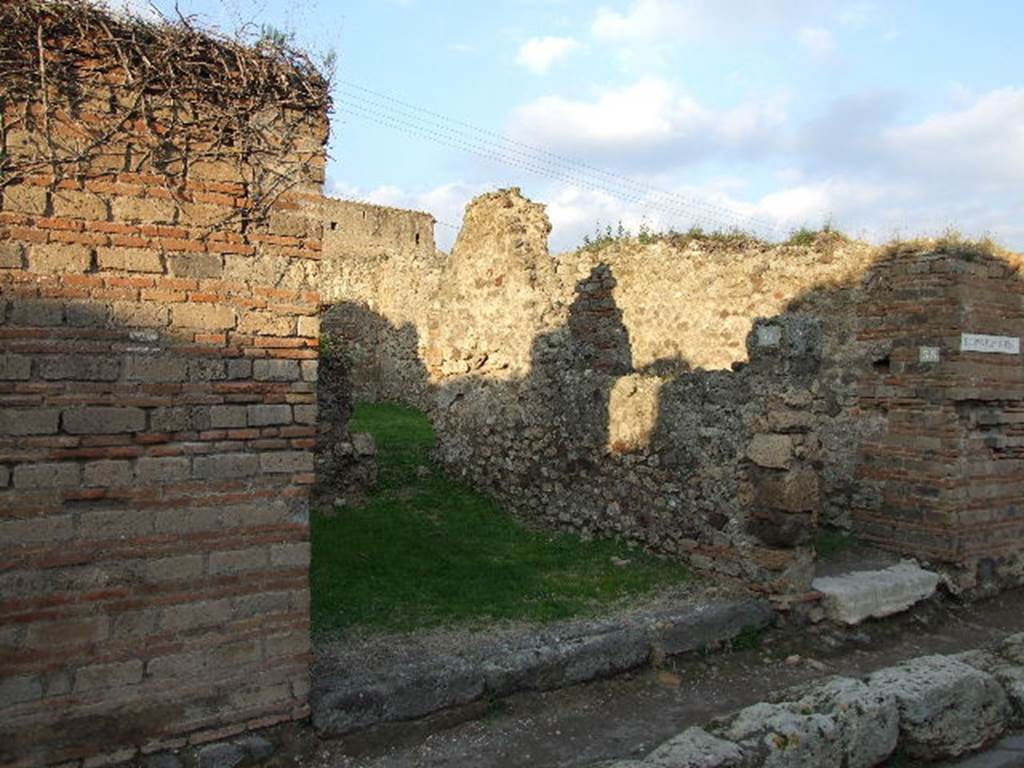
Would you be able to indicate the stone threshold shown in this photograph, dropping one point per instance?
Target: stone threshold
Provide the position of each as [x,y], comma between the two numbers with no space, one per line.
[347,698]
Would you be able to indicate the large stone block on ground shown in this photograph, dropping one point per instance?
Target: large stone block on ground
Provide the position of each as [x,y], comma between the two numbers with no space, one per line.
[696,748]
[351,704]
[867,719]
[946,707]
[841,722]
[1006,667]
[773,736]
[854,597]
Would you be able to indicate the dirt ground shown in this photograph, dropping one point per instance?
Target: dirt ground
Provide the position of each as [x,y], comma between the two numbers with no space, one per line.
[630,715]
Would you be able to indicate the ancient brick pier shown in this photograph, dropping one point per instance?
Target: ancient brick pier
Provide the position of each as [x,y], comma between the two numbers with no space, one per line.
[158,360]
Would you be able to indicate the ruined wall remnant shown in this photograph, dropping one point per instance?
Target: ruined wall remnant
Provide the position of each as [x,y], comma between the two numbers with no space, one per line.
[944,480]
[631,390]
[714,400]
[384,264]
[158,353]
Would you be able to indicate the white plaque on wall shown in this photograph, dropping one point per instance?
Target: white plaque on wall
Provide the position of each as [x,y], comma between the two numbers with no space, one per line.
[982,342]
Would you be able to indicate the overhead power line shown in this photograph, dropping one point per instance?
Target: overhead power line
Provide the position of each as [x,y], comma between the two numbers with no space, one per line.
[573,165]
[411,129]
[382,109]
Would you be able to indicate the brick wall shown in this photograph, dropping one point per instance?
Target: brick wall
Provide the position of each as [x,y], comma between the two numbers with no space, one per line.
[945,480]
[158,360]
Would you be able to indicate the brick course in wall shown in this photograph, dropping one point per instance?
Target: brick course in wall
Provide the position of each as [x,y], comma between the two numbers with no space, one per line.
[157,423]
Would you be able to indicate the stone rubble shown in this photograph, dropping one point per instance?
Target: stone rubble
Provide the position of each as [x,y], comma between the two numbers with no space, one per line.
[930,708]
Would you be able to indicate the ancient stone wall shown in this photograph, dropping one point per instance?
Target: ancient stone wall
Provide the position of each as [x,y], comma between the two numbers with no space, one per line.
[158,356]
[384,264]
[715,399]
[693,396]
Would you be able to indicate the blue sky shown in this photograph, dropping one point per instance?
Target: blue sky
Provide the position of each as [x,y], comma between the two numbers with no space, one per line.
[894,118]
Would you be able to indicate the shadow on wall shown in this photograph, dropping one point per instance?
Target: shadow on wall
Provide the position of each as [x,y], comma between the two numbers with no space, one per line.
[153,521]
[383,361]
[836,418]
[660,456]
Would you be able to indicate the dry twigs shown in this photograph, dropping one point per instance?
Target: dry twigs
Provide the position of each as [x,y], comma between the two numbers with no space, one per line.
[82,90]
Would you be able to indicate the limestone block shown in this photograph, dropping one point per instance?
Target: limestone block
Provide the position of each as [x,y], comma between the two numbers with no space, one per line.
[771,451]
[696,748]
[946,707]
[47,476]
[59,258]
[200,265]
[129,259]
[269,415]
[156,368]
[364,444]
[108,473]
[798,490]
[772,736]
[867,719]
[10,255]
[226,465]
[180,418]
[286,461]
[108,676]
[78,368]
[25,198]
[276,370]
[228,417]
[103,420]
[36,312]
[74,204]
[162,470]
[633,412]
[213,317]
[15,367]
[29,421]
[144,209]
[854,597]
[1004,666]
[149,314]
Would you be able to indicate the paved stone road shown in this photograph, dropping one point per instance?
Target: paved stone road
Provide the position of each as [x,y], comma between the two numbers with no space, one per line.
[1008,753]
[628,716]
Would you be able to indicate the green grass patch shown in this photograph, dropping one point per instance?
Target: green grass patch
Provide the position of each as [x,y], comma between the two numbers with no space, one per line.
[426,551]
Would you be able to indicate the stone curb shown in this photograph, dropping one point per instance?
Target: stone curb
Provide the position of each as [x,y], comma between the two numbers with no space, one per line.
[929,708]
[556,657]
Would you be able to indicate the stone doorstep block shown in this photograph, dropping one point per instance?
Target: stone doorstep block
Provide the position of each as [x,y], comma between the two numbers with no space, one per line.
[856,596]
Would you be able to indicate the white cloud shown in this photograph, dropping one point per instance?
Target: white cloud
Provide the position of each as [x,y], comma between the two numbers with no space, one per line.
[539,54]
[856,164]
[817,42]
[646,20]
[651,117]
[663,20]
[983,142]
